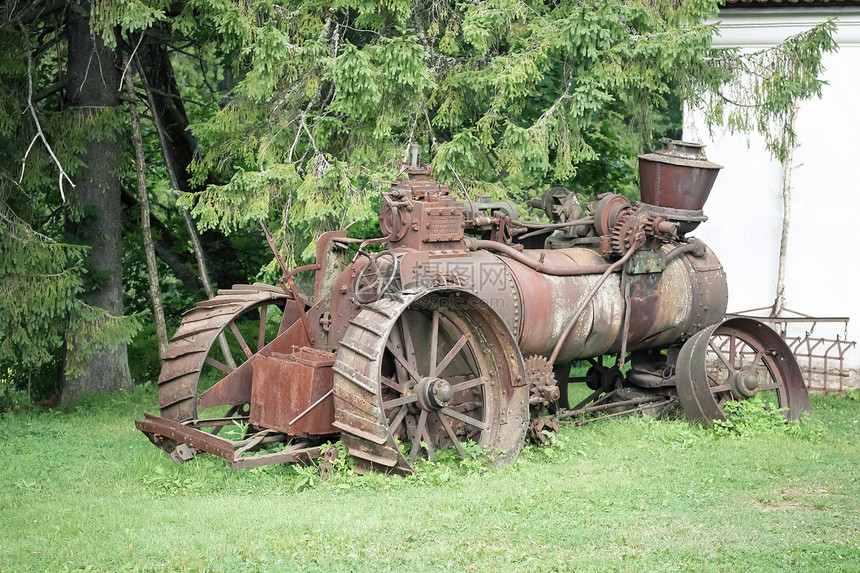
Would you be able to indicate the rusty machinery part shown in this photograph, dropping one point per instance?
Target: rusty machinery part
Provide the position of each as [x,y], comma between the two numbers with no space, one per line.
[194,359]
[678,176]
[391,222]
[608,211]
[541,429]
[376,277]
[597,378]
[602,378]
[437,369]
[685,220]
[652,368]
[559,204]
[659,226]
[543,389]
[735,360]
[624,233]
[561,372]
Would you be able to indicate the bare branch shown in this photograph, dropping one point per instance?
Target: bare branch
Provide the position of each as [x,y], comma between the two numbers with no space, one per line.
[27,154]
[34,11]
[32,108]
[49,91]
[128,63]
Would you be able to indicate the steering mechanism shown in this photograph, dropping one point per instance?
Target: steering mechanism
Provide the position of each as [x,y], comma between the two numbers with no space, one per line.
[376,277]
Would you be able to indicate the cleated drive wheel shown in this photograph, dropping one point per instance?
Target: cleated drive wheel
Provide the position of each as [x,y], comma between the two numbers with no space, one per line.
[429,371]
[248,315]
[735,360]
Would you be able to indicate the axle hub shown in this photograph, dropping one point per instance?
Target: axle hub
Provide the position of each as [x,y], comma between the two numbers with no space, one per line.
[433,393]
[744,384]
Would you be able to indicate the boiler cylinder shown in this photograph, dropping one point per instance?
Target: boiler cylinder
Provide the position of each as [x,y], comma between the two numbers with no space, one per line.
[688,295]
[665,307]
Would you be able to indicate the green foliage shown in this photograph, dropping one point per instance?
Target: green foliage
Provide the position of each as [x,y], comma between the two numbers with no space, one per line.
[513,97]
[124,16]
[750,417]
[39,283]
[48,328]
[758,416]
[40,309]
[301,110]
[761,90]
[92,331]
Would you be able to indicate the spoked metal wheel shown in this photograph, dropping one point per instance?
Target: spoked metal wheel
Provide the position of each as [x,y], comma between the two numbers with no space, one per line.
[736,360]
[428,373]
[248,316]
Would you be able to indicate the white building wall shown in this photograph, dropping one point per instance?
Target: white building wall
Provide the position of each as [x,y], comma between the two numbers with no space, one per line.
[745,208]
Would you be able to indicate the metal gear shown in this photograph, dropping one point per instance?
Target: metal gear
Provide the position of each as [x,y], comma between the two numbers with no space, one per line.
[622,235]
[541,381]
[540,428]
[654,222]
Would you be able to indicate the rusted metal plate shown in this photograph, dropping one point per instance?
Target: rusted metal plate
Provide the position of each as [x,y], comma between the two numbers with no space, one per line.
[299,454]
[235,388]
[292,392]
[198,440]
[194,438]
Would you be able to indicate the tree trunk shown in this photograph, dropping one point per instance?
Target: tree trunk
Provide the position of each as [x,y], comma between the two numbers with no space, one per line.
[179,146]
[166,104]
[189,224]
[779,299]
[93,80]
[143,199]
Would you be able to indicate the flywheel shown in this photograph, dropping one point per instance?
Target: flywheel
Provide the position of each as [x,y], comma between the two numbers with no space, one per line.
[430,371]
[736,360]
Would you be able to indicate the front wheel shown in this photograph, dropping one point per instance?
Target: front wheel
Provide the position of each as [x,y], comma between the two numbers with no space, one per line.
[736,360]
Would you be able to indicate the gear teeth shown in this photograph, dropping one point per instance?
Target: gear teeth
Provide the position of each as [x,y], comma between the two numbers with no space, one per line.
[541,379]
[651,224]
[620,236]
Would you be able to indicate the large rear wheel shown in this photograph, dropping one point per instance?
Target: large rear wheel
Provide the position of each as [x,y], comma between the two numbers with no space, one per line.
[428,373]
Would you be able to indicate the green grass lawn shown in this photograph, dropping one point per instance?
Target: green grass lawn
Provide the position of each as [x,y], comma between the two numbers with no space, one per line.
[80,489]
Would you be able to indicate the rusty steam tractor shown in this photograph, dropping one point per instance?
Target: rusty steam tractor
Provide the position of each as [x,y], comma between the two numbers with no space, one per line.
[465,327]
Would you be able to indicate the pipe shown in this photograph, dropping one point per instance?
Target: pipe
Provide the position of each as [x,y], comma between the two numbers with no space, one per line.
[555,270]
[537,225]
[638,241]
[695,246]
